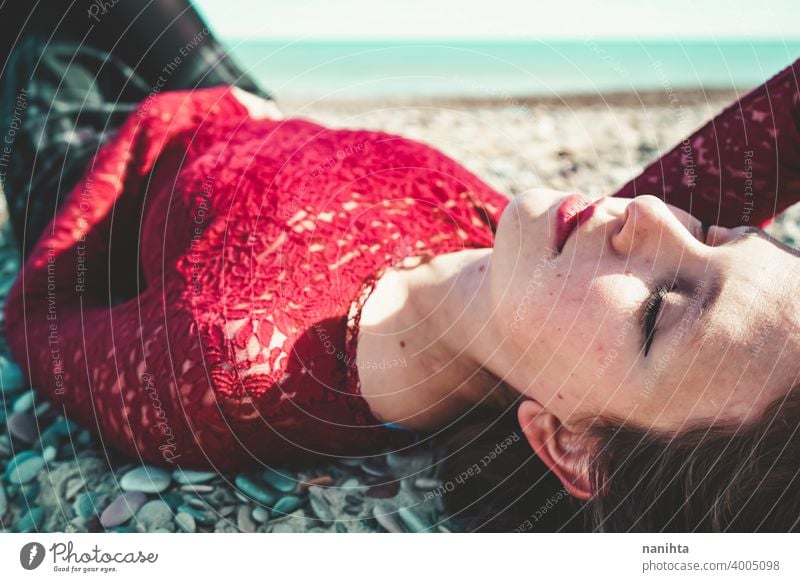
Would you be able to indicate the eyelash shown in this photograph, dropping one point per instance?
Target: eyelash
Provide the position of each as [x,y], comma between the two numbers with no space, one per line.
[653,304]
[650,313]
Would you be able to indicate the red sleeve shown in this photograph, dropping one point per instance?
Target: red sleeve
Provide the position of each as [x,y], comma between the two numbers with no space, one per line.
[59,315]
[742,167]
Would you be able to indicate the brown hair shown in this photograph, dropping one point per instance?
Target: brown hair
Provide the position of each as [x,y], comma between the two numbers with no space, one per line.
[714,478]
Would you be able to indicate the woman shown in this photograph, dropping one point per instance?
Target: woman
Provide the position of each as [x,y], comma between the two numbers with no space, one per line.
[225,288]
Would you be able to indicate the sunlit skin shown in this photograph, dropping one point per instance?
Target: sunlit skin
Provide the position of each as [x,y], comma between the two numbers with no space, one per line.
[559,335]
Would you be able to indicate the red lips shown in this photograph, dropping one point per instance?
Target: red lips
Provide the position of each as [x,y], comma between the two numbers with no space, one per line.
[572,211]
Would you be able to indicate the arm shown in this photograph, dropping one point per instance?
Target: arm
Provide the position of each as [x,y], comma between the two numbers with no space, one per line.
[742,167]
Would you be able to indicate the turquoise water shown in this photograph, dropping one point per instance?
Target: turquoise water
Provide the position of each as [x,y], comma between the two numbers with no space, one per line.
[376,68]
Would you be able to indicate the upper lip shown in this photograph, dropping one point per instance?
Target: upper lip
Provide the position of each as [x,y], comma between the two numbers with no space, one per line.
[565,230]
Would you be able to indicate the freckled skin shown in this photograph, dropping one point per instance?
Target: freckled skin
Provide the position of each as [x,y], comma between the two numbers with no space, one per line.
[402,344]
[579,331]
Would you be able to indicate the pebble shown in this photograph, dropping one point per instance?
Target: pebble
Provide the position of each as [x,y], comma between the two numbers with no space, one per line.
[387,521]
[155,514]
[244,521]
[122,508]
[43,408]
[31,520]
[321,510]
[200,517]
[24,467]
[5,446]
[186,522]
[197,503]
[28,493]
[321,481]
[279,480]
[352,509]
[288,504]
[341,527]
[352,483]
[146,479]
[49,454]
[353,499]
[261,514]
[11,378]
[3,501]
[73,487]
[189,477]
[255,490]
[281,528]
[426,484]
[198,489]
[384,490]
[24,403]
[22,426]
[375,466]
[412,520]
[87,504]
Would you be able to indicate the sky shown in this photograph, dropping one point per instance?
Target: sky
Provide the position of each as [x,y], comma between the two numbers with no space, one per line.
[502,19]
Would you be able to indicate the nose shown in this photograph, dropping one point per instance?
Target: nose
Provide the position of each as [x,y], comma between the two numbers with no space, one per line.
[648,224]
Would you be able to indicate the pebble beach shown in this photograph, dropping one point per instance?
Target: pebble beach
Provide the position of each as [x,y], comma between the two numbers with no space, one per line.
[56,477]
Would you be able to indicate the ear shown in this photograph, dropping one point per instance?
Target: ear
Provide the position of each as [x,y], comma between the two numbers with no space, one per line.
[558,447]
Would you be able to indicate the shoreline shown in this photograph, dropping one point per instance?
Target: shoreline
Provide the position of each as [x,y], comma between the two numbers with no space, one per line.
[665,97]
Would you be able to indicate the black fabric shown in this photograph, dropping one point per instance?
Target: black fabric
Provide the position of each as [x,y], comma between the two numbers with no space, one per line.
[62,98]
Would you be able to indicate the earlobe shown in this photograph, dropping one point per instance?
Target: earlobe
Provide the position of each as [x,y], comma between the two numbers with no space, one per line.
[558,447]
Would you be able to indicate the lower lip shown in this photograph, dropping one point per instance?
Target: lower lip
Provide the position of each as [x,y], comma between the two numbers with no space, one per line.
[572,211]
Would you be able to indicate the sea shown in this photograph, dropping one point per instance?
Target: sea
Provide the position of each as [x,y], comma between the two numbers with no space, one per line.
[497,69]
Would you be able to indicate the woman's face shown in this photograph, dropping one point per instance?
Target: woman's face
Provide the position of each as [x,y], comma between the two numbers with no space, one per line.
[723,306]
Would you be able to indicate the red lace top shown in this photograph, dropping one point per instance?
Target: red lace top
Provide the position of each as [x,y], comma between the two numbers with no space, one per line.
[196,299]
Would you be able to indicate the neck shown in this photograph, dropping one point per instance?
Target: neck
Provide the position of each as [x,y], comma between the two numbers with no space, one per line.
[449,302]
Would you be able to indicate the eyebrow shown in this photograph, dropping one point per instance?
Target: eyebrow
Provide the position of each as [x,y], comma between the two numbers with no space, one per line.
[701,322]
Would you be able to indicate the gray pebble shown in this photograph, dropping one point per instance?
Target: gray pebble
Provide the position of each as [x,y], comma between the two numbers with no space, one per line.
[288,504]
[73,487]
[24,467]
[31,520]
[321,510]
[43,408]
[22,426]
[261,514]
[189,477]
[49,454]
[280,479]
[87,504]
[198,489]
[281,528]
[386,518]
[186,522]
[24,402]
[122,508]
[413,521]
[256,490]
[426,484]
[199,516]
[3,501]
[244,521]
[155,514]
[11,378]
[147,479]
[375,466]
